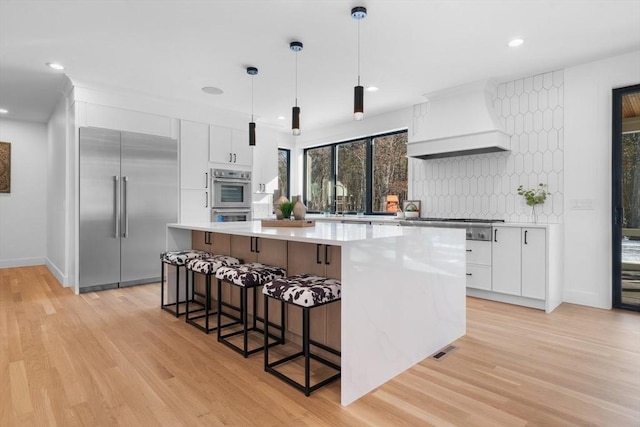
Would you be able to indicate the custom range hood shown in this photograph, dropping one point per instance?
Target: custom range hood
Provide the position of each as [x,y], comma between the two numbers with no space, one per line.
[457,122]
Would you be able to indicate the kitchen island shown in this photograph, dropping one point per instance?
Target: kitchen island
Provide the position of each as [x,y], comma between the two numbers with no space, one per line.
[403,290]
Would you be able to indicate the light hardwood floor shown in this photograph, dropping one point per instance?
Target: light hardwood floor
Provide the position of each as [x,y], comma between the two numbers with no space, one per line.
[114,358]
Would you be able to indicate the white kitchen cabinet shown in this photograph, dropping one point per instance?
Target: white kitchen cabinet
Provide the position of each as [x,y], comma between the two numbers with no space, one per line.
[229,146]
[265,162]
[534,263]
[479,264]
[194,206]
[506,265]
[194,155]
[526,266]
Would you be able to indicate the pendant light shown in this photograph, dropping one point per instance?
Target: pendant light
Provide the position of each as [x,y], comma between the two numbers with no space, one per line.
[295,111]
[358,13]
[252,71]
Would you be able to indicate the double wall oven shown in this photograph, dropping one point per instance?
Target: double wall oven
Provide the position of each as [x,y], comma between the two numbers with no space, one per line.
[230,195]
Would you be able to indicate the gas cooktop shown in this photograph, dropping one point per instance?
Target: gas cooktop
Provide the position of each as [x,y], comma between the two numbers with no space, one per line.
[478,220]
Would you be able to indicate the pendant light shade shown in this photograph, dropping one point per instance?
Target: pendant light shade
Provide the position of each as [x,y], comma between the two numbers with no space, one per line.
[358,102]
[358,13]
[295,120]
[252,133]
[252,71]
[295,111]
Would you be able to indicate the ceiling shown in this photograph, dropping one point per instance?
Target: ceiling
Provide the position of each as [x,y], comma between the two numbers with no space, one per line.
[172,49]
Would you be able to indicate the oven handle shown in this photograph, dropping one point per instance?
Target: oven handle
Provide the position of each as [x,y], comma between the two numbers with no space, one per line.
[232,180]
[231,211]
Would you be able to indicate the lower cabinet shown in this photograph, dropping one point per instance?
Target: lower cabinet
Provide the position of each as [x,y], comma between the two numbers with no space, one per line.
[265,251]
[323,260]
[520,261]
[479,264]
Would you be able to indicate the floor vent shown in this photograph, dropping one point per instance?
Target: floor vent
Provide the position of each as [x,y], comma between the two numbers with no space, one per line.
[441,354]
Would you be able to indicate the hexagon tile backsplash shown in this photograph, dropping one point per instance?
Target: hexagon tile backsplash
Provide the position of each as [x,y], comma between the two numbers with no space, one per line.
[485,185]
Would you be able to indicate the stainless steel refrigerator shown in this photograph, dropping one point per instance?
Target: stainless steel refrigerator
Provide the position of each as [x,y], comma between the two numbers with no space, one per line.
[128,194]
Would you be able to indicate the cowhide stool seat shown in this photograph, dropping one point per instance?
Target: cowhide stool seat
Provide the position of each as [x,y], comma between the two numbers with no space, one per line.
[208,266]
[177,259]
[249,276]
[306,291]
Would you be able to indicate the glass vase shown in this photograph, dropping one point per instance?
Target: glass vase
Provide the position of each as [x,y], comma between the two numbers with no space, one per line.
[533,215]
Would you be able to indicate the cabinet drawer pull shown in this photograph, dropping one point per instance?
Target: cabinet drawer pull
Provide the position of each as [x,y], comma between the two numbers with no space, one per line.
[469,250]
[469,274]
[327,261]
[495,235]
[252,250]
[257,243]
[318,254]
[525,237]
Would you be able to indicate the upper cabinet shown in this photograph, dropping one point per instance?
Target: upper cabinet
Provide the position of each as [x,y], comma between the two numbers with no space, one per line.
[229,146]
[194,155]
[265,165]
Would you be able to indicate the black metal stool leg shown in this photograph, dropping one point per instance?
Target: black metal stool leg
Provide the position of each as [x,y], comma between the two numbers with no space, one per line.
[177,291]
[161,284]
[305,345]
[266,333]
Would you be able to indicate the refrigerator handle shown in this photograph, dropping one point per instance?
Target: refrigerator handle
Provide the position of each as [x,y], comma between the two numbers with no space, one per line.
[125,180]
[116,206]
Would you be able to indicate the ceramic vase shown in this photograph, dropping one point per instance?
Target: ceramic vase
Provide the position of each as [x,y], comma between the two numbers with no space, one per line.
[299,209]
[278,199]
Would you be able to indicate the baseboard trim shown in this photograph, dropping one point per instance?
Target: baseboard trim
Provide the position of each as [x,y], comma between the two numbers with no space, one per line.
[589,299]
[57,273]
[21,262]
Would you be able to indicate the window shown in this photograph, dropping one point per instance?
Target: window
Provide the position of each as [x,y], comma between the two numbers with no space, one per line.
[284,171]
[357,176]
[318,178]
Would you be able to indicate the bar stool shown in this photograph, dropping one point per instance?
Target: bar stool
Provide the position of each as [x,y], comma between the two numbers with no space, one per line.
[249,276]
[208,266]
[177,259]
[306,291]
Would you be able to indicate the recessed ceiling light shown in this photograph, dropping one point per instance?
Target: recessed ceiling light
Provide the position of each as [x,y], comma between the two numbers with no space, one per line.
[55,66]
[372,89]
[3,111]
[212,90]
[281,117]
[515,42]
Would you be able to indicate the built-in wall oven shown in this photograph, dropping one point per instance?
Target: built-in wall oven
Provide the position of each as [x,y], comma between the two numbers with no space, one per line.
[230,195]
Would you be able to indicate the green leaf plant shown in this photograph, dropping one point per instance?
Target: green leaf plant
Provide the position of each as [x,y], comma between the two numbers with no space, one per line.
[534,196]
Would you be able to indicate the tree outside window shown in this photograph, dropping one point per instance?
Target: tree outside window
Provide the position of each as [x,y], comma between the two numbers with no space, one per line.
[357,176]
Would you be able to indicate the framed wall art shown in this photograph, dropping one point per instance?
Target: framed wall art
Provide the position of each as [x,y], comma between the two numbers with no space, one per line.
[5,167]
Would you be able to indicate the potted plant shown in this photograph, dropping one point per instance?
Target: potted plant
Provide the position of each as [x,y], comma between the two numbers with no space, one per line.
[286,208]
[533,197]
[411,211]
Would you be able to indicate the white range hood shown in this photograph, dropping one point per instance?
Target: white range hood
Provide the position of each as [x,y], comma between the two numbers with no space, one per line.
[457,122]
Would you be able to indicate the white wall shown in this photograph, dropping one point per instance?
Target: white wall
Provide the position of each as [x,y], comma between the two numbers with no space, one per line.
[588,100]
[23,230]
[57,193]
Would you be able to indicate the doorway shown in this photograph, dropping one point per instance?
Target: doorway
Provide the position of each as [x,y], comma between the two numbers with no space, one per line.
[626,197]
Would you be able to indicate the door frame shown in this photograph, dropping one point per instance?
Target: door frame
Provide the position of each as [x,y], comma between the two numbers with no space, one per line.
[616,195]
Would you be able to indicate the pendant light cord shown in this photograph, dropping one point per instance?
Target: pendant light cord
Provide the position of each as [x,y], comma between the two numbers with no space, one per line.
[359,52]
[252,98]
[296,79]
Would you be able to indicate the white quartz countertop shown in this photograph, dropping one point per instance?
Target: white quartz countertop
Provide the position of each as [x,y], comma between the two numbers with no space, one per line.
[354,218]
[323,232]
